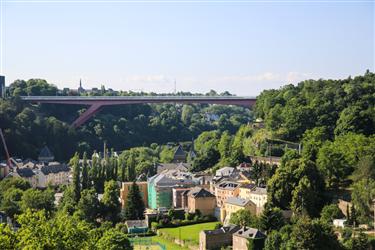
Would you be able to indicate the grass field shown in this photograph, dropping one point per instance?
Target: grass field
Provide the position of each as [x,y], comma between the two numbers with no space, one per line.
[169,245]
[190,233]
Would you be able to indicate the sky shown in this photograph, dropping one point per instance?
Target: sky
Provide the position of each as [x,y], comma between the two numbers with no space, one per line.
[242,47]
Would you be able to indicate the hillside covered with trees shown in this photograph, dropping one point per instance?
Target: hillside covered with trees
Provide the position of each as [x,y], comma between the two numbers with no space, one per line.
[28,127]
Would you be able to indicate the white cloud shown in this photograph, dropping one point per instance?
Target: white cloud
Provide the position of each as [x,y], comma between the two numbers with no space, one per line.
[147,79]
[295,77]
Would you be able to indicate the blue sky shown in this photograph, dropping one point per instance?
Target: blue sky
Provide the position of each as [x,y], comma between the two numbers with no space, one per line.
[240,47]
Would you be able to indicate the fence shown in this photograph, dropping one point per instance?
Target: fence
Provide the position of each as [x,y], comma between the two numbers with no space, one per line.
[143,243]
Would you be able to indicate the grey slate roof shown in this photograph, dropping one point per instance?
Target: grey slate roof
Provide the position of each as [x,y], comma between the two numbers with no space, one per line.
[250,233]
[179,166]
[259,190]
[229,185]
[199,192]
[54,169]
[45,152]
[224,171]
[25,172]
[238,201]
[179,151]
[248,186]
[231,229]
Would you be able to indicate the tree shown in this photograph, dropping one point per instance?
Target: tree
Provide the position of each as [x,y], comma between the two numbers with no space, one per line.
[134,207]
[331,212]
[357,119]
[14,182]
[244,217]
[362,195]
[95,172]
[224,148]
[207,152]
[61,232]
[312,234]
[76,177]
[38,200]
[282,184]
[257,172]
[365,169]
[111,201]
[305,199]
[271,219]
[273,241]
[131,166]
[85,174]
[67,203]
[312,140]
[332,164]
[114,240]
[7,237]
[237,154]
[10,203]
[360,242]
[88,205]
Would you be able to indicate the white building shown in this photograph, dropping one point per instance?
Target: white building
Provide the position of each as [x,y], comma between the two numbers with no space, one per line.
[339,222]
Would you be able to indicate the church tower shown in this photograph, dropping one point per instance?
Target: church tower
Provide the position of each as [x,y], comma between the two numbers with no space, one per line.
[80,89]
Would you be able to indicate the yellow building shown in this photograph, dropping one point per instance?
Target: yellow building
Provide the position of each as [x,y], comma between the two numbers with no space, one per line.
[202,200]
[125,187]
[245,190]
[234,204]
[256,194]
[224,190]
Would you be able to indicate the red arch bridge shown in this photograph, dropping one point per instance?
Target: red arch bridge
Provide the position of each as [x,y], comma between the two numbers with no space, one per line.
[95,103]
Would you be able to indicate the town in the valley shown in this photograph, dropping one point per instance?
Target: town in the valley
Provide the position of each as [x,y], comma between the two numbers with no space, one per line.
[176,172]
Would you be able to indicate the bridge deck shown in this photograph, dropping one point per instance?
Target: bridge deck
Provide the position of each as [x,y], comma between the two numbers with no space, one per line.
[96,102]
[133,98]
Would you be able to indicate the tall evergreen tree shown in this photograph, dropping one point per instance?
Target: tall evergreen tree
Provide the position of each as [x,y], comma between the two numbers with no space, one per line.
[85,173]
[94,171]
[115,170]
[76,177]
[134,207]
[131,167]
[123,170]
[271,219]
[111,201]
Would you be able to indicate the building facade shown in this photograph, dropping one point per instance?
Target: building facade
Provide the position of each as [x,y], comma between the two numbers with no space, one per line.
[179,197]
[53,174]
[160,187]
[202,200]
[256,194]
[215,239]
[233,205]
[224,190]
[124,191]
[242,237]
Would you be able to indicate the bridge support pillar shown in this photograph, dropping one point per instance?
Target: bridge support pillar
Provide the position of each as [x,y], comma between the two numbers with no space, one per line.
[92,110]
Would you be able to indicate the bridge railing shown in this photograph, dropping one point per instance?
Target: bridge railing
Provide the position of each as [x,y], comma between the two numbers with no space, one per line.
[36,98]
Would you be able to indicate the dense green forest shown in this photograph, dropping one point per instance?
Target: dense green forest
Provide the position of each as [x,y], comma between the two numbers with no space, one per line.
[337,106]
[28,127]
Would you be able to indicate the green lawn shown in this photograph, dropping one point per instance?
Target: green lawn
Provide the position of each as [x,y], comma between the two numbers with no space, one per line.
[168,244]
[190,233]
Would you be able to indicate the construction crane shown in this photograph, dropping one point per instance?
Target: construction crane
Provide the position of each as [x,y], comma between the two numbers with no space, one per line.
[9,164]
